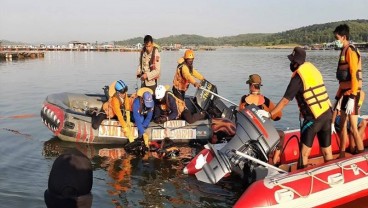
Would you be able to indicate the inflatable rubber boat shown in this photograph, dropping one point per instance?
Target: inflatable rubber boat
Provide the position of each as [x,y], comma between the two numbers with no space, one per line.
[255,136]
[319,185]
[327,185]
[67,116]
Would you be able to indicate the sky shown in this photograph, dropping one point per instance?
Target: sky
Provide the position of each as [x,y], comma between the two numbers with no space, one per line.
[44,21]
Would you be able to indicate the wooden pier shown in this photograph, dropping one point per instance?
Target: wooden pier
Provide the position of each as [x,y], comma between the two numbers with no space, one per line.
[15,55]
[43,49]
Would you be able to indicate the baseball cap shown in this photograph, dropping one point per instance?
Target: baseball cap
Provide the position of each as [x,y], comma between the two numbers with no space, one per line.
[298,55]
[147,98]
[254,79]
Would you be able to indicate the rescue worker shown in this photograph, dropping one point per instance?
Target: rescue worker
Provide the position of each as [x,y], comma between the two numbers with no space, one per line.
[307,86]
[185,75]
[142,109]
[169,107]
[116,106]
[349,74]
[149,64]
[255,97]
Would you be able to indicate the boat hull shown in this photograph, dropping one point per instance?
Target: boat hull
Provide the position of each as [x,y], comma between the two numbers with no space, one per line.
[65,115]
[326,185]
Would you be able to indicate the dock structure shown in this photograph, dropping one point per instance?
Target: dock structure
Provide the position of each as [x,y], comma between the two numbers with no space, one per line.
[43,49]
[10,55]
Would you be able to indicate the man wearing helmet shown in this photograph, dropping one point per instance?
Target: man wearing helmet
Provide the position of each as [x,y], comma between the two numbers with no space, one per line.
[149,64]
[117,104]
[185,75]
[169,107]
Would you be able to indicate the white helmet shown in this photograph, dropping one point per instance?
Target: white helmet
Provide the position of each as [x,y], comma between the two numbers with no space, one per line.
[160,92]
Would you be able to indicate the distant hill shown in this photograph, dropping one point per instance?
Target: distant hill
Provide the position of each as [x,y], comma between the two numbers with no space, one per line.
[7,42]
[317,33]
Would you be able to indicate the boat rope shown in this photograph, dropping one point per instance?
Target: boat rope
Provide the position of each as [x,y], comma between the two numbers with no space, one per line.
[353,167]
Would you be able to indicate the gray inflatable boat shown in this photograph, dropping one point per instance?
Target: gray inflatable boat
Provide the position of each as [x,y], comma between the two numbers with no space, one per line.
[67,116]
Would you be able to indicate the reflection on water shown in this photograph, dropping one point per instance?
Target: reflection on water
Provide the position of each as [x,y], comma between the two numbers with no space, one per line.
[122,180]
[157,182]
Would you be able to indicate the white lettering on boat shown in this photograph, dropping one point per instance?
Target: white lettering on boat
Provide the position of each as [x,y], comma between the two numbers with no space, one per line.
[174,123]
[205,94]
[112,128]
[201,133]
[158,134]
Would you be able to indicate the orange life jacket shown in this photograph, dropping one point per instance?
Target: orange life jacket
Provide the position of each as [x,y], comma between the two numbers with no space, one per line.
[343,70]
[108,108]
[256,99]
[179,103]
[139,94]
[180,83]
[260,101]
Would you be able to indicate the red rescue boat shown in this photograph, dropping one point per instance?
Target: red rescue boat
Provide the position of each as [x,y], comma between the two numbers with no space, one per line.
[289,155]
[326,185]
[319,185]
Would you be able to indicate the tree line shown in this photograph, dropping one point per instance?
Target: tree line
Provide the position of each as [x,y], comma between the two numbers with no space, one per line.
[317,33]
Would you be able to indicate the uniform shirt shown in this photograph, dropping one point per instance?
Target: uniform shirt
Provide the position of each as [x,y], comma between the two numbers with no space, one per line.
[141,121]
[295,89]
[152,75]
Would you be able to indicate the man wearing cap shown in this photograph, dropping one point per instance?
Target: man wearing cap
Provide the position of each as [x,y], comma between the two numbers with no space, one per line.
[307,86]
[142,109]
[255,97]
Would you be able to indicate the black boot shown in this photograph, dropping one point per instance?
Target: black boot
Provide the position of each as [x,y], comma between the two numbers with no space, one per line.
[136,147]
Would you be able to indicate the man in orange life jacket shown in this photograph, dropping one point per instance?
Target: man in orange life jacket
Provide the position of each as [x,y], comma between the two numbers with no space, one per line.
[255,97]
[116,106]
[170,107]
[185,75]
[149,64]
[349,74]
[307,86]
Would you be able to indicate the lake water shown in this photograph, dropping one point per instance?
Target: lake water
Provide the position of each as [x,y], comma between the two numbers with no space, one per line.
[28,148]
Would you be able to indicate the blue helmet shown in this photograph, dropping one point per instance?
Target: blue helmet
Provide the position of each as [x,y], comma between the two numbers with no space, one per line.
[121,87]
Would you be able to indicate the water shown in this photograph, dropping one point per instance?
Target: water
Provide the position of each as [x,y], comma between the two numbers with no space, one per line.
[28,148]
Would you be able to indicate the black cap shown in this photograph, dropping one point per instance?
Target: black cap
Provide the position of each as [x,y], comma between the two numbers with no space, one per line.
[298,55]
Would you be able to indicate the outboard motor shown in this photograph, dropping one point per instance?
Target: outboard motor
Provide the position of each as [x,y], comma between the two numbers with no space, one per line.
[255,136]
[204,98]
[213,104]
